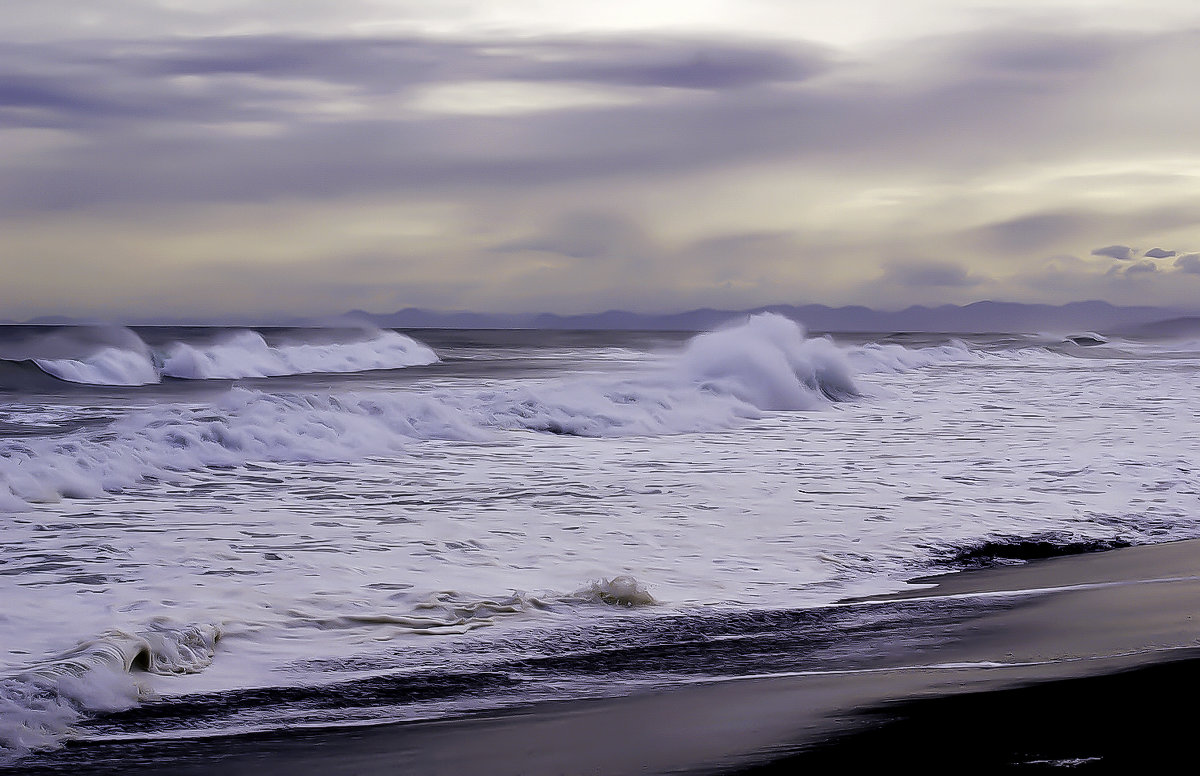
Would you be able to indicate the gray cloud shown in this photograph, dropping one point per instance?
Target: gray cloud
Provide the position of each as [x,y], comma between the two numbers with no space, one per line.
[388,63]
[1123,252]
[926,274]
[79,81]
[175,124]
[742,244]
[1189,263]
[683,66]
[1045,232]
[1035,232]
[967,118]
[1141,267]
[588,235]
[1037,53]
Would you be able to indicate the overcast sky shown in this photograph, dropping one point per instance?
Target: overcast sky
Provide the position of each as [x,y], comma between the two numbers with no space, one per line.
[222,158]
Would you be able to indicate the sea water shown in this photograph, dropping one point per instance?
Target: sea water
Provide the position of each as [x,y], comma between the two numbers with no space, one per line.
[210,531]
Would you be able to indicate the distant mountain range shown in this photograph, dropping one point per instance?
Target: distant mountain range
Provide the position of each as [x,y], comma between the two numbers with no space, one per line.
[976,317]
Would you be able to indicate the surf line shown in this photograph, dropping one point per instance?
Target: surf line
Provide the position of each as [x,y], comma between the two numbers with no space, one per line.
[901,597]
[952,666]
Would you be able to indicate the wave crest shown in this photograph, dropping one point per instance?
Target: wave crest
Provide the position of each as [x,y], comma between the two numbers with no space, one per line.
[39,707]
[768,362]
[247,354]
[119,357]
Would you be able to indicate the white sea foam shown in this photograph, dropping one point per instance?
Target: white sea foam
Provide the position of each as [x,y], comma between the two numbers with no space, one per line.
[247,354]
[107,366]
[168,441]
[884,358]
[38,707]
[119,357]
[621,590]
[450,612]
[768,362]
[890,357]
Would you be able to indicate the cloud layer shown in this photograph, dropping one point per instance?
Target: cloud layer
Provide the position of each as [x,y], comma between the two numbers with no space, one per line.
[656,169]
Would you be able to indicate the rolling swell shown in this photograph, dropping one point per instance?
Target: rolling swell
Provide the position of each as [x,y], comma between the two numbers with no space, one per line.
[25,376]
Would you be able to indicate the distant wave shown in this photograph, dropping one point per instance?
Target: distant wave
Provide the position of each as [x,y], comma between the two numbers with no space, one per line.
[121,358]
[107,366]
[247,354]
[889,357]
[93,355]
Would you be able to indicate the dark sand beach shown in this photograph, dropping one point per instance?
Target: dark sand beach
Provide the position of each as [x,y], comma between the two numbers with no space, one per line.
[1064,662]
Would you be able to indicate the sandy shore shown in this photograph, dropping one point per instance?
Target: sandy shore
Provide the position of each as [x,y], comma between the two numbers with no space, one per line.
[1057,662]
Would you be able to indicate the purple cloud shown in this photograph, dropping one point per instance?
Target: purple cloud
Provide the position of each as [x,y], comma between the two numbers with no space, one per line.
[587,235]
[929,274]
[1122,252]
[1141,268]
[1189,263]
[150,138]
[1034,232]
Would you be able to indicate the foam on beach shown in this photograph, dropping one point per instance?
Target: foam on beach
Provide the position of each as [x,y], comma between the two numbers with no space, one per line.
[38,707]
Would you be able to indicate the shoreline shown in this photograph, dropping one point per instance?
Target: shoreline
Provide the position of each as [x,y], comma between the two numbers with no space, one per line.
[1007,680]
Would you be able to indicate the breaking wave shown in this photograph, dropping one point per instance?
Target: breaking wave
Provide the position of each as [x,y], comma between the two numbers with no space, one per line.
[119,357]
[107,366]
[768,362]
[40,706]
[247,354]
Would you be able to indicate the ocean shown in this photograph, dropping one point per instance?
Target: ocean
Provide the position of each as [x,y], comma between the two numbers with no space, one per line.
[213,532]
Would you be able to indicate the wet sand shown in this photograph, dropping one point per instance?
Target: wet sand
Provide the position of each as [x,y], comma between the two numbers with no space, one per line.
[1060,662]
